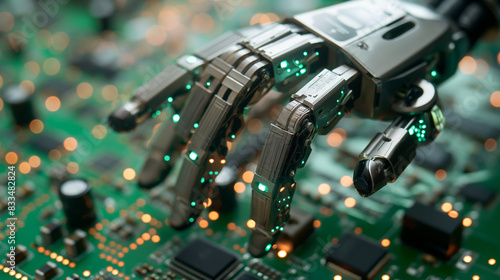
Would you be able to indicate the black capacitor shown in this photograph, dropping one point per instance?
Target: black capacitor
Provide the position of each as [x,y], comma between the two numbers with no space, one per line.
[77,203]
[20,102]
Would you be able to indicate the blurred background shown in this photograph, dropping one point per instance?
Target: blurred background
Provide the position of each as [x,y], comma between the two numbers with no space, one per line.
[70,63]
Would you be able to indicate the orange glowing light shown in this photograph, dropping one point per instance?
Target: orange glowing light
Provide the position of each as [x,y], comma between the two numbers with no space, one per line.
[248,176]
[385,242]
[346,181]
[282,254]
[27,85]
[86,273]
[213,216]
[34,161]
[334,139]
[155,238]
[239,187]
[11,158]
[250,223]
[24,167]
[495,99]
[84,90]
[467,222]
[99,131]
[440,175]
[467,259]
[316,223]
[386,277]
[467,65]
[51,66]
[146,218]
[337,277]
[36,126]
[109,93]
[350,202]
[203,223]
[446,207]
[492,261]
[52,103]
[453,214]
[129,174]
[324,189]
[70,144]
[72,167]
[475,277]
[490,145]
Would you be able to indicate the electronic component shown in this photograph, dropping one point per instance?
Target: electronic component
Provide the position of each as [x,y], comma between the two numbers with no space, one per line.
[73,277]
[20,102]
[51,232]
[433,157]
[357,257]
[76,243]
[46,272]
[77,203]
[259,268]
[106,162]
[473,128]
[20,254]
[45,142]
[204,260]
[431,231]
[477,193]
[247,276]
[297,230]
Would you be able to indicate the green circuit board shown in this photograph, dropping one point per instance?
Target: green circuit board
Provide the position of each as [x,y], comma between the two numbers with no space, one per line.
[72,97]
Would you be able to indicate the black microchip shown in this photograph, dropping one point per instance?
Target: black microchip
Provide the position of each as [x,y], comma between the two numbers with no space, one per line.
[56,87]
[477,130]
[247,276]
[477,193]
[354,254]
[45,143]
[205,260]
[106,162]
[433,157]
[431,231]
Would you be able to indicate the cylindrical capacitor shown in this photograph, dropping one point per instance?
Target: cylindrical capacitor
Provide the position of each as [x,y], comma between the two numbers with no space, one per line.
[20,102]
[77,203]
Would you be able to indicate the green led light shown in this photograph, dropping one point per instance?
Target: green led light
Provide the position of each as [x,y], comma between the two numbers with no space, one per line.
[303,162]
[176,118]
[216,172]
[188,86]
[302,71]
[304,53]
[158,112]
[233,136]
[191,220]
[195,125]
[434,73]
[301,66]
[193,203]
[210,181]
[208,84]
[297,62]
[166,158]
[191,59]
[316,53]
[268,247]
[202,180]
[284,64]
[272,230]
[262,187]
[170,99]
[281,228]
[210,173]
[193,156]
[288,70]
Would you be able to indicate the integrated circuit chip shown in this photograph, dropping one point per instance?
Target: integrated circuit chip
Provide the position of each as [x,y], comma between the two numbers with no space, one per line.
[203,260]
[477,193]
[106,162]
[431,231]
[357,257]
[45,143]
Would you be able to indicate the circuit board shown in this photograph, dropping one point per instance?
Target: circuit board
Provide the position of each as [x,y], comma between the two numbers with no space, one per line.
[77,76]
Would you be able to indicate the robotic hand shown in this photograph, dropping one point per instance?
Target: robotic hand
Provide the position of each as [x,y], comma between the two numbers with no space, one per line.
[379,60]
